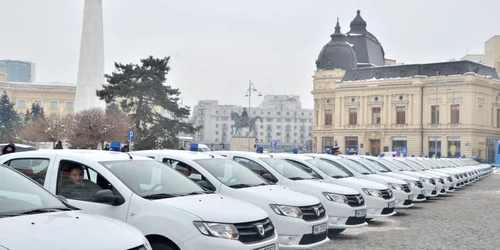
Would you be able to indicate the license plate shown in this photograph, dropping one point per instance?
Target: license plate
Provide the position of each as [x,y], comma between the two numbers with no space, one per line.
[361,213]
[391,204]
[319,228]
[270,247]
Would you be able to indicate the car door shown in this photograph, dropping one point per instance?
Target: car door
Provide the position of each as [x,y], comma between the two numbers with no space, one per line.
[36,167]
[95,178]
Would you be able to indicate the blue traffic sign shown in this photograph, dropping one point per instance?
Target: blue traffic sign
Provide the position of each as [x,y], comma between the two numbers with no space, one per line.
[273,144]
[336,143]
[256,140]
[404,150]
[131,135]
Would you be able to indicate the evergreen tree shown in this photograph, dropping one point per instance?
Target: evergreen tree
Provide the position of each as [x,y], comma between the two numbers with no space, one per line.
[9,119]
[141,89]
[27,117]
[113,110]
[36,112]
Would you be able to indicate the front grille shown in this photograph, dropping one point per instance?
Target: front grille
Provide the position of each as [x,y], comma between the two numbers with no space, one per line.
[434,192]
[387,210]
[312,238]
[441,180]
[419,184]
[355,200]
[443,191]
[449,179]
[432,181]
[386,194]
[420,196]
[355,221]
[309,213]
[406,188]
[249,232]
[407,202]
[451,188]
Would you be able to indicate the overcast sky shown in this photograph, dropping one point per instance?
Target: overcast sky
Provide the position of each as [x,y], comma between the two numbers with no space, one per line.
[217,46]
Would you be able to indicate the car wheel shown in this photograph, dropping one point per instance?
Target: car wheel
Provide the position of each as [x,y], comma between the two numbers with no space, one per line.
[162,246]
[334,232]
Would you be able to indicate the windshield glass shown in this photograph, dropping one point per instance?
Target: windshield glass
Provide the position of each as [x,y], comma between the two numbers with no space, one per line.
[378,166]
[287,169]
[372,166]
[149,177]
[329,169]
[356,166]
[392,165]
[231,173]
[19,195]
[419,165]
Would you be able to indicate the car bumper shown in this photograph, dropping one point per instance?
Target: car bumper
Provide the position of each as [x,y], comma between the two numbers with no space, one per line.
[418,194]
[403,199]
[206,242]
[378,207]
[294,233]
[344,216]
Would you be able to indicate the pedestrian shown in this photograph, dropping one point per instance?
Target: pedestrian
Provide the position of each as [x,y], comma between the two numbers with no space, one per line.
[335,151]
[10,148]
[126,147]
[106,147]
[59,145]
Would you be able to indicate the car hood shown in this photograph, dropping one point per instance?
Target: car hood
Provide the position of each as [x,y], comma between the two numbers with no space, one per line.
[326,186]
[362,183]
[384,179]
[401,176]
[281,195]
[217,208]
[67,230]
[440,174]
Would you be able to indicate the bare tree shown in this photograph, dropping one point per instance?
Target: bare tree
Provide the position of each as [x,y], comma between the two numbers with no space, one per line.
[51,129]
[91,127]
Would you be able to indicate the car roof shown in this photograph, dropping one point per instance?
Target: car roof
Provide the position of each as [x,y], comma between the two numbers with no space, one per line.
[95,155]
[17,145]
[193,155]
[294,156]
[250,154]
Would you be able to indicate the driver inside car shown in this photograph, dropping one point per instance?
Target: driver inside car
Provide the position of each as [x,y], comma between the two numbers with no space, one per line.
[75,187]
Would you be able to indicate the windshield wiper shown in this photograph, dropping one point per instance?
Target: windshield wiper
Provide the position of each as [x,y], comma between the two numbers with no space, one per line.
[240,186]
[299,178]
[337,176]
[158,196]
[262,184]
[37,211]
[198,192]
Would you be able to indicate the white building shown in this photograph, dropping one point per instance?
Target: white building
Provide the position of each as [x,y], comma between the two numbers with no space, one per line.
[283,120]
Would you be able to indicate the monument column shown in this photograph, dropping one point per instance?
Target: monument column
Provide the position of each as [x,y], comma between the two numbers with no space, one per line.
[91,61]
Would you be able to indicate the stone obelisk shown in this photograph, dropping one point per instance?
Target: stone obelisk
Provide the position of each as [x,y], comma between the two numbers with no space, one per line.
[91,62]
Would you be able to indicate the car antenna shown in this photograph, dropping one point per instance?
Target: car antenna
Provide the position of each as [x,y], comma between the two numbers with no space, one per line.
[130,156]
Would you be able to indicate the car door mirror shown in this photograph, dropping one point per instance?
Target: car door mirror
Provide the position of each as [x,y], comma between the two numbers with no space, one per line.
[269,177]
[205,185]
[108,197]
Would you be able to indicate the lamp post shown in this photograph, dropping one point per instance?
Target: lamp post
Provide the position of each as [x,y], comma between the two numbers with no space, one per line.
[436,116]
[453,119]
[251,88]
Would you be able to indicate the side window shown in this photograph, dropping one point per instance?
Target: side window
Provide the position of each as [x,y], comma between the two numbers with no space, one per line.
[190,172]
[305,168]
[256,168]
[79,182]
[35,168]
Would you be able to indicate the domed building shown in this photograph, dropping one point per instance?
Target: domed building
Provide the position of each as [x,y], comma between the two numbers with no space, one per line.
[365,103]
[337,54]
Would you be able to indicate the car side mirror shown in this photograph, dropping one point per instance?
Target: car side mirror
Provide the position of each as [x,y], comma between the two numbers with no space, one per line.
[205,185]
[269,177]
[107,196]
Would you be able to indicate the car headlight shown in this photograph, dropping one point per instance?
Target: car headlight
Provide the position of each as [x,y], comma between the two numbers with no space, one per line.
[218,230]
[372,192]
[287,210]
[425,179]
[395,186]
[336,197]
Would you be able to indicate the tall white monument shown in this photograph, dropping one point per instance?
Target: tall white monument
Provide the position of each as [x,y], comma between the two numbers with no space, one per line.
[91,64]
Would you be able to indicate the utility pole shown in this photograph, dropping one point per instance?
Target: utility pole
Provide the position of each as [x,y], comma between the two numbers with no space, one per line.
[436,116]
[251,88]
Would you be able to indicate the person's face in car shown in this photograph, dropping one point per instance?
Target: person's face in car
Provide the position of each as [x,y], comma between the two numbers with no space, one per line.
[9,149]
[76,176]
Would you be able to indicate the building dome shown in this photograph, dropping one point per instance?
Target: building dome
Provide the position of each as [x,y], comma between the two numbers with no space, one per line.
[337,54]
[369,51]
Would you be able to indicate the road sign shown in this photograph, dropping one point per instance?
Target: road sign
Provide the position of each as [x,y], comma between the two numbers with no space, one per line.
[453,149]
[256,140]
[131,135]
[336,143]
[404,150]
[273,144]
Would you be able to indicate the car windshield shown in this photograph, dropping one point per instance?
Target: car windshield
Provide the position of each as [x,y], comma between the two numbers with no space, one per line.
[419,165]
[231,173]
[20,195]
[329,169]
[358,167]
[287,169]
[392,165]
[376,166]
[149,177]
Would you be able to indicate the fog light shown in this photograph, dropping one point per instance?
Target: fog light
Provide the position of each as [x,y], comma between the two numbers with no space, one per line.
[371,211]
[286,239]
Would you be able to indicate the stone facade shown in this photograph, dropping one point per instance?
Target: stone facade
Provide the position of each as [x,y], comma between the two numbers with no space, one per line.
[394,114]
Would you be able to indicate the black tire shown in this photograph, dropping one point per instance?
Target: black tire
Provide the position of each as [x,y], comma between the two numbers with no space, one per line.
[162,246]
[334,232]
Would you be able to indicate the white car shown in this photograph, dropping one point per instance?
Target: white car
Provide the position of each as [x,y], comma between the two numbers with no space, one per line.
[425,181]
[295,215]
[340,214]
[441,184]
[172,211]
[33,218]
[401,189]
[376,204]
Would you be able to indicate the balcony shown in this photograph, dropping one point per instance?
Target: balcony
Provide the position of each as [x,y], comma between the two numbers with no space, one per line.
[399,126]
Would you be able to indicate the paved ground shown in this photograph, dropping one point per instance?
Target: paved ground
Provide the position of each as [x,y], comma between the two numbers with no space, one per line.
[467,219]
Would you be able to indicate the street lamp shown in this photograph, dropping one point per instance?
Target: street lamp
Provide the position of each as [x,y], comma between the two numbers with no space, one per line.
[251,88]
[453,120]
[436,115]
